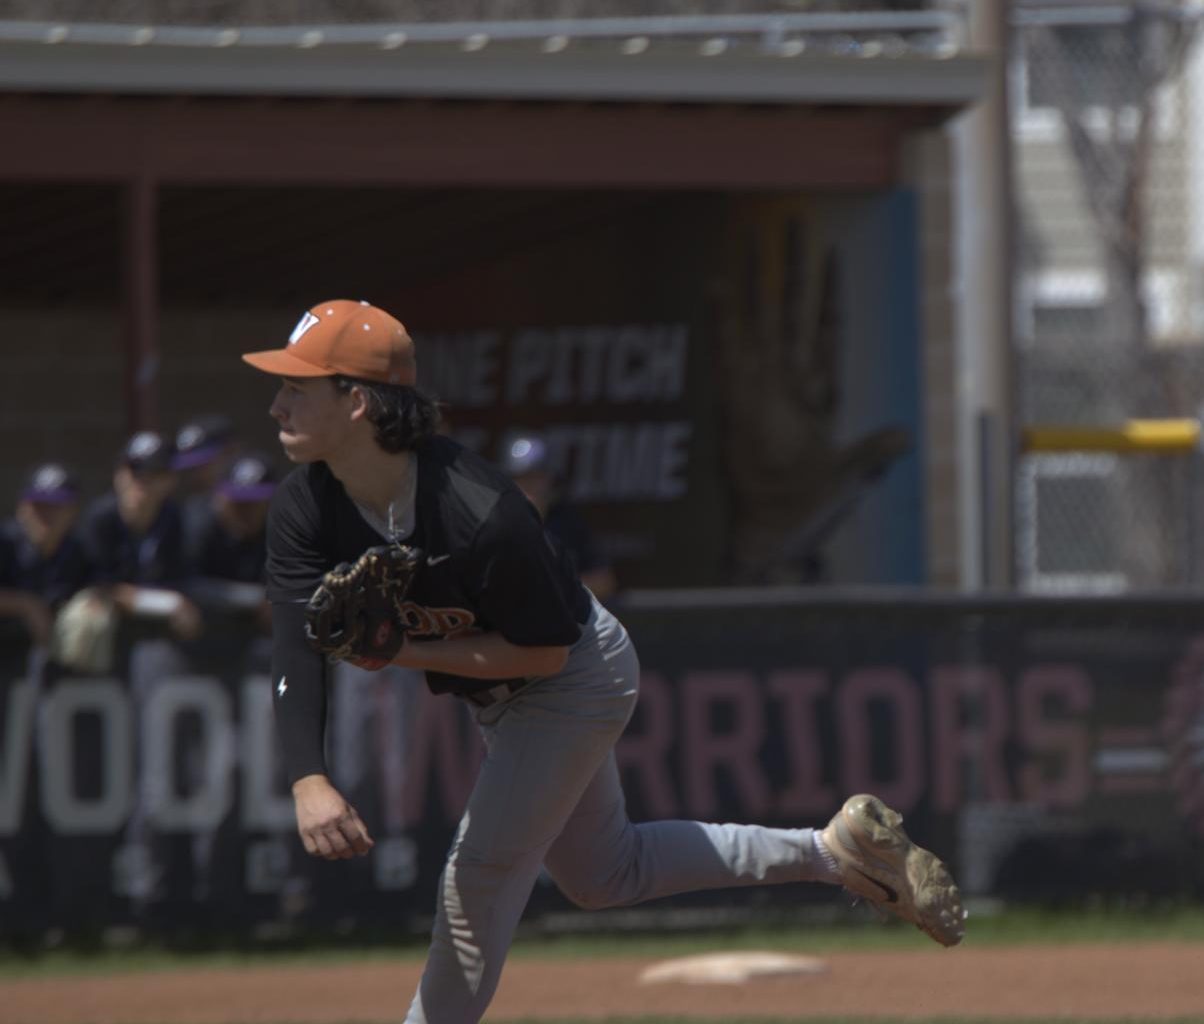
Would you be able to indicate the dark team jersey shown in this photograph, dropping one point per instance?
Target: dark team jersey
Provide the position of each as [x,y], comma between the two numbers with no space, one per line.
[216,554]
[153,559]
[489,566]
[196,514]
[53,578]
[564,522]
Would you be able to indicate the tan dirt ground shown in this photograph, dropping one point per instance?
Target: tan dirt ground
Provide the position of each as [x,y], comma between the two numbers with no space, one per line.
[1105,982]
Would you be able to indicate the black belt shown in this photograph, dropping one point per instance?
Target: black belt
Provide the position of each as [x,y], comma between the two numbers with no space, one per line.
[487,697]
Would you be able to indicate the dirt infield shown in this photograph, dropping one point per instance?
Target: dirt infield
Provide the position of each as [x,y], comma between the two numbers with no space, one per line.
[1149,980]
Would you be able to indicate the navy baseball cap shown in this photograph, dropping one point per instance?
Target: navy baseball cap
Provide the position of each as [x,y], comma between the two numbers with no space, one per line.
[249,478]
[202,440]
[147,452]
[51,483]
[524,453]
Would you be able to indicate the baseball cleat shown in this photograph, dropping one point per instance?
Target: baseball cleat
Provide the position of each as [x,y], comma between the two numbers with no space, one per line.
[879,863]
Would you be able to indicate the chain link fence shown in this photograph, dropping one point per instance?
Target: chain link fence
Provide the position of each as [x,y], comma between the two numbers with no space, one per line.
[1107,110]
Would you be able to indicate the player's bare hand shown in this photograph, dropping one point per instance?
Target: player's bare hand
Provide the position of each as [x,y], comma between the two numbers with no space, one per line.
[263,616]
[186,620]
[329,826]
[38,619]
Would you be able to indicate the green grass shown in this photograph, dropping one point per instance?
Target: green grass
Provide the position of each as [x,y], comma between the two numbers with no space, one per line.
[855,931]
[1008,928]
[834,1020]
[827,1020]
[114,961]
[863,1020]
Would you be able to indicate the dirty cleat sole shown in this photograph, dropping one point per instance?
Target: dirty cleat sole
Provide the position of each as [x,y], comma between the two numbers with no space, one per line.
[879,863]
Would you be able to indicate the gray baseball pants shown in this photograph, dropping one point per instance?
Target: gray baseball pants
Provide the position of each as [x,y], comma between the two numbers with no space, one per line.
[548,794]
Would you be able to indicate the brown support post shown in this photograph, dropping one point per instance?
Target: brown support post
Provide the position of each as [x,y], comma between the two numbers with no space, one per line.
[141,302]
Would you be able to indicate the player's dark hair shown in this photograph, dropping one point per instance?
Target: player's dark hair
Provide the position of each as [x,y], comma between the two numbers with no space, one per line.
[403,416]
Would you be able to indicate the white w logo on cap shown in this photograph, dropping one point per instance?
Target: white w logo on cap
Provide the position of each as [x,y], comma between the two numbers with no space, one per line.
[303,325]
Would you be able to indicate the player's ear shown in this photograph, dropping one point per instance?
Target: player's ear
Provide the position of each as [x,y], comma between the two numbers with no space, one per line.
[359,402]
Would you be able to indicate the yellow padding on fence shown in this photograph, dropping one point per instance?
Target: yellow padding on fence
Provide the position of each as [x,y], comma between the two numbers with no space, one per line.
[1165,436]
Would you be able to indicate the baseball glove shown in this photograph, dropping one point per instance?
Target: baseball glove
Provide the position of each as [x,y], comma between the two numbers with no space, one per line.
[85,632]
[354,615]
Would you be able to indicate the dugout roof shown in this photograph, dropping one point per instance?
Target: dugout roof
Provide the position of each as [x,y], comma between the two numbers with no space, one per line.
[895,59]
[145,140]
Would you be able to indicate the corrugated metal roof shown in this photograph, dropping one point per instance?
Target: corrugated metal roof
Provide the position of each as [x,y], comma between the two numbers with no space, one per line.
[298,12]
[860,57]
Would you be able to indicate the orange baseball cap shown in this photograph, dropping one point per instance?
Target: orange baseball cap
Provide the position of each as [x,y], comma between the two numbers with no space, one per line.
[344,337]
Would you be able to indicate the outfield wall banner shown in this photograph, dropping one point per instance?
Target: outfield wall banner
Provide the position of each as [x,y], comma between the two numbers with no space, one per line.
[1049,749]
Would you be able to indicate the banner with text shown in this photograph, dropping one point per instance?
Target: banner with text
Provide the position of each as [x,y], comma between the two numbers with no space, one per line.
[1049,750]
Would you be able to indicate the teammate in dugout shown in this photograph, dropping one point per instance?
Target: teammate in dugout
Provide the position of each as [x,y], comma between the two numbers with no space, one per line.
[134,538]
[496,616]
[42,563]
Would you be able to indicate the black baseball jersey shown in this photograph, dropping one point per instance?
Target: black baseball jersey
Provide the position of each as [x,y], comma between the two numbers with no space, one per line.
[54,578]
[489,565]
[118,555]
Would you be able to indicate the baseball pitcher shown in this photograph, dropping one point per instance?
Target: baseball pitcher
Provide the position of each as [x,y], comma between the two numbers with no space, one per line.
[389,544]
